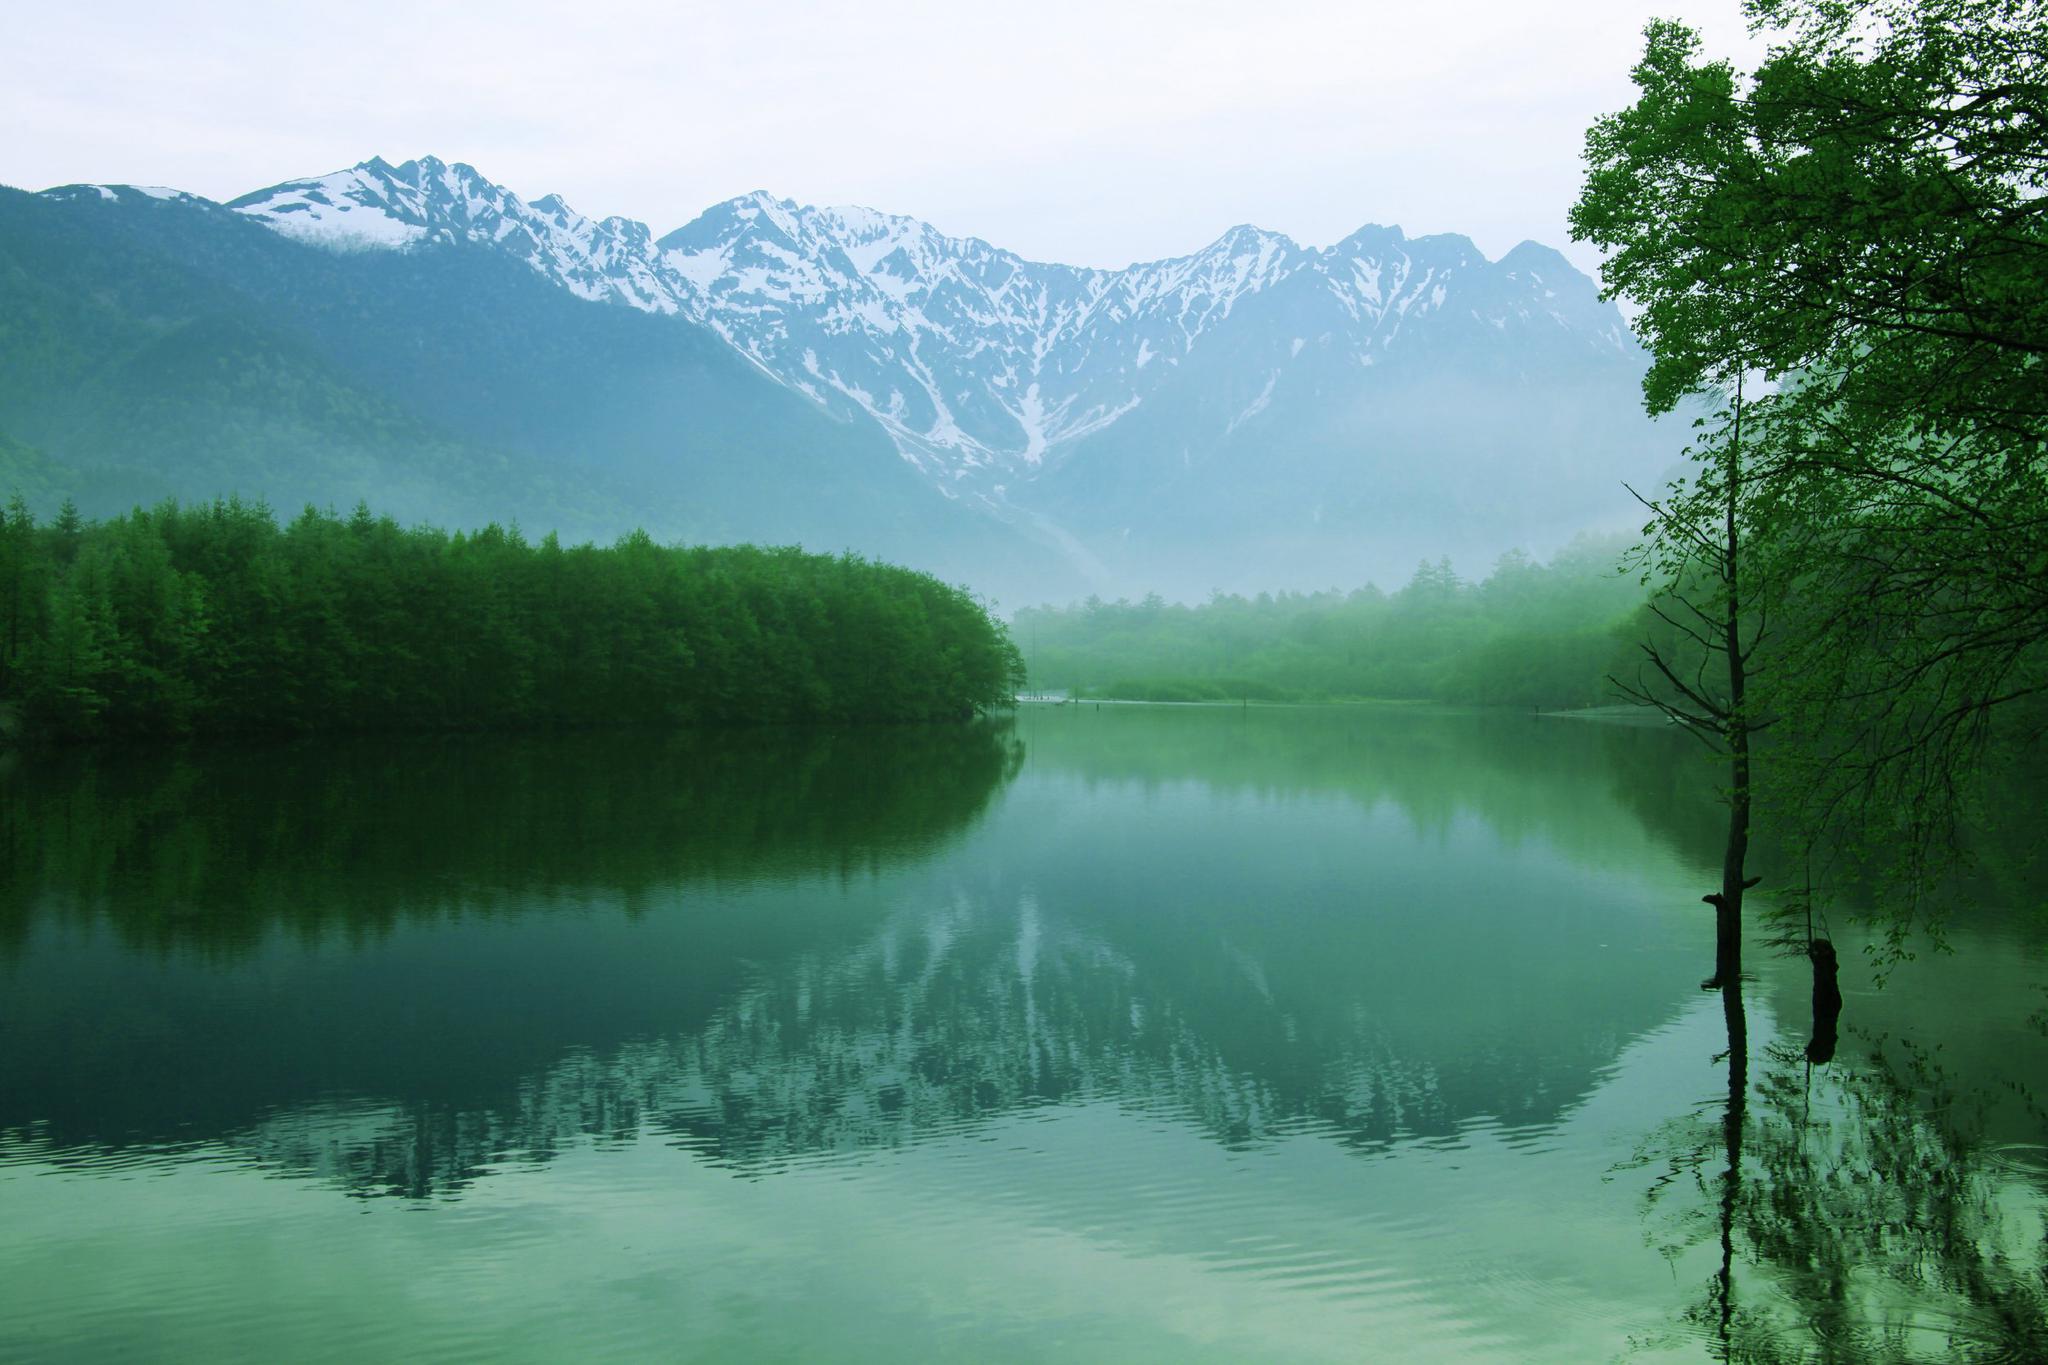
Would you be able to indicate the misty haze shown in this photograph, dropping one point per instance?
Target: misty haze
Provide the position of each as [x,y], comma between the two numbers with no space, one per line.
[956,758]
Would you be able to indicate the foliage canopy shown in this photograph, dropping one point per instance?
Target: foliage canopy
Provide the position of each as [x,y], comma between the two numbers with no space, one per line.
[216,618]
[1860,227]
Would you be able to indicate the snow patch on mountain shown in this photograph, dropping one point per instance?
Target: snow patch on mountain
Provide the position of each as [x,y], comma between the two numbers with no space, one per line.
[113,193]
[981,366]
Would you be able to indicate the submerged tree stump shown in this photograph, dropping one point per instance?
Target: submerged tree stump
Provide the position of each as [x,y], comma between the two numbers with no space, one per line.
[1827,1001]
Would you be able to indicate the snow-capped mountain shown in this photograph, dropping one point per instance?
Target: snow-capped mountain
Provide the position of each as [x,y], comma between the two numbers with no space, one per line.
[986,369]
[1259,414]
[376,205]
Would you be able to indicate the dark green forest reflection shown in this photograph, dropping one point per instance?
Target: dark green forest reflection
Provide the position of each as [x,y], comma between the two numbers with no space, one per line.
[214,849]
[1393,968]
[777,946]
[191,941]
[1384,922]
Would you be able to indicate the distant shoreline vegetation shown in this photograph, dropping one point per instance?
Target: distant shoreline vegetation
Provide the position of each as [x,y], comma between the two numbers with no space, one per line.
[215,619]
[1529,635]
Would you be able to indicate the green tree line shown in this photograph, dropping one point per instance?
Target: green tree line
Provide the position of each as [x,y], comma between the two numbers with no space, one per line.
[1529,634]
[215,618]
[1842,256]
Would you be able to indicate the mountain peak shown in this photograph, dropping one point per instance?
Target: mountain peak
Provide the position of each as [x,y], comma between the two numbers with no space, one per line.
[1255,382]
[1529,255]
[973,359]
[1451,243]
[1254,233]
[1371,237]
[353,209]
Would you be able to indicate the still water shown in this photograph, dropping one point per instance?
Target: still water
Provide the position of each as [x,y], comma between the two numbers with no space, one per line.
[1139,1033]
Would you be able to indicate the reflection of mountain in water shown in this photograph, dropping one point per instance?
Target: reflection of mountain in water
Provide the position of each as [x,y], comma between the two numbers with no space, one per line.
[1383,925]
[938,1021]
[187,943]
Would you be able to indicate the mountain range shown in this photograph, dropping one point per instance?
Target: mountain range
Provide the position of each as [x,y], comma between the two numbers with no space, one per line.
[1258,414]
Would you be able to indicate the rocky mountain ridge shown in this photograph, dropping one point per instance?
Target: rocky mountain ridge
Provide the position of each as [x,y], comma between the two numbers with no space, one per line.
[984,368]
[1257,414]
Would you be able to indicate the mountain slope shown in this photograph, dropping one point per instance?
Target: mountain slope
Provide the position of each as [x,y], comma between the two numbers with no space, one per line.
[1256,414]
[193,352]
[1331,412]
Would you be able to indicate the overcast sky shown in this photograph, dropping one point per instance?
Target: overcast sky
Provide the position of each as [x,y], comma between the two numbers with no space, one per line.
[1095,132]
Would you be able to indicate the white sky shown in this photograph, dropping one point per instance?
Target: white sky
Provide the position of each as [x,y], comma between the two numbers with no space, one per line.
[1095,132]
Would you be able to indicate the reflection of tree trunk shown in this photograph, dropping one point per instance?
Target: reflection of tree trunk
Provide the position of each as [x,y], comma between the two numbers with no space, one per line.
[1731,1140]
[1861,1207]
[1827,1002]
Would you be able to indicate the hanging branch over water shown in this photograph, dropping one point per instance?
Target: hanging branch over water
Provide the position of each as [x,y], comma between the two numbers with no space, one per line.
[1863,222]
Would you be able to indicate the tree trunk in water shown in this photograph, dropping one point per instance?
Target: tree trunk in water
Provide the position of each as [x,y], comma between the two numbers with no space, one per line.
[1728,903]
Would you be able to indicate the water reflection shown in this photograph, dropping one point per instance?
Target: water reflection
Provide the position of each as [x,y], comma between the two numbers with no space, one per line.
[1609,794]
[192,943]
[1854,1212]
[1357,1003]
[770,949]
[214,850]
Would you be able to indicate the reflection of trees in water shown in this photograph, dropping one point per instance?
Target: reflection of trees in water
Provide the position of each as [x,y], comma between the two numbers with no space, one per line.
[211,849]
[1598,792]
[1605,794]
[791,1044]
[1858,1213]
[932,1026]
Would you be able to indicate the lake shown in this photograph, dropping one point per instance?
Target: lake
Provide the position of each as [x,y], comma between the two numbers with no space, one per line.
[1116,1033]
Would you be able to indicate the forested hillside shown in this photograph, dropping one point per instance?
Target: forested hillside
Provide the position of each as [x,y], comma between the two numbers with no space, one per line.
[1257,414]
[1529,634]
[217,619]
[155,347]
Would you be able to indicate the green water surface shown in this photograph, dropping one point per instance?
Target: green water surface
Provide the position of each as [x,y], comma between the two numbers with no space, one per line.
[1113,1034]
